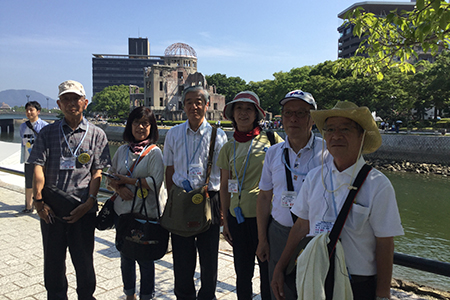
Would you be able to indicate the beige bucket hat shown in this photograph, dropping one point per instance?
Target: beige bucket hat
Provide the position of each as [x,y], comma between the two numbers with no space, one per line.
[361,115]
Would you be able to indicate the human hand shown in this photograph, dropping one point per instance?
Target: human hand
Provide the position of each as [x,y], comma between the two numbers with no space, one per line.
[78,212]
[125,193]
[263,251]
[46,214]
[122,179]
[277,284]
[227,235]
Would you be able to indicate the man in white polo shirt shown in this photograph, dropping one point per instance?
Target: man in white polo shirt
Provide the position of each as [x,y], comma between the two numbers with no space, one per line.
[289,160]
[367,236]
[186,150]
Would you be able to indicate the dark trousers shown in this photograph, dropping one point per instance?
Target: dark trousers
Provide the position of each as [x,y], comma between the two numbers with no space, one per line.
[363,287]
[79,238]
[245,242]
[184,250]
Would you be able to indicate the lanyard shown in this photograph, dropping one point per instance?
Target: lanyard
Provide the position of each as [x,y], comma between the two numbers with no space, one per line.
[283,160]
[79,144]
[135,162]
[186,148]
[241,183]
[332,193]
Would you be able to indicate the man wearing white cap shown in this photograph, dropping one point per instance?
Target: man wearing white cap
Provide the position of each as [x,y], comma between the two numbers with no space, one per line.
[367,236]
[284,171]
[69,156]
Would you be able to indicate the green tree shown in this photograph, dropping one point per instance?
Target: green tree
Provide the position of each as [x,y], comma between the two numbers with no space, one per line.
[439,86]
[113,101]
[227,86]
[393,40]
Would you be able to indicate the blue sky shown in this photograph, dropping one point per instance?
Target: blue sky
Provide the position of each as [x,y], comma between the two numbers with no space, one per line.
[43,43]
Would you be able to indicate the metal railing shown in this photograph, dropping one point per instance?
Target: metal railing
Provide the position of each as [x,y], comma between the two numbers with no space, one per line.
[409,261]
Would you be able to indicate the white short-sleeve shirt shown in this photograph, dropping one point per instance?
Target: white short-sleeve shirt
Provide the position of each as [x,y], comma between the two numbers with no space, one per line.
[184,147]
[273,175]
[373,214]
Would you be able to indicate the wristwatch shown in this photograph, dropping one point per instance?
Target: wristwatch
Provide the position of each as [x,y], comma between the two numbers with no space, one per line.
[93,196]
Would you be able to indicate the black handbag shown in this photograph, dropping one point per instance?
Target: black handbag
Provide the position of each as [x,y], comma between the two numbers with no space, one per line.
[140,238]
[106,216]
[59,201]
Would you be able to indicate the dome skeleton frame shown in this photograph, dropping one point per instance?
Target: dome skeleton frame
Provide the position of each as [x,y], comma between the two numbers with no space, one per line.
[180,49]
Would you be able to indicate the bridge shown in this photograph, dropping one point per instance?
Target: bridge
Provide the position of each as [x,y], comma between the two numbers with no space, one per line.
[7,119]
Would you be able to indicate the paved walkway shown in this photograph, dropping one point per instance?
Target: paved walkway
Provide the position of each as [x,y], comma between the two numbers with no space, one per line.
[21,263]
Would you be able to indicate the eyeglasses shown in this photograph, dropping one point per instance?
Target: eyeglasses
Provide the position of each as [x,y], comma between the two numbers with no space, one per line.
[299,113]
[344,130]
[143,124]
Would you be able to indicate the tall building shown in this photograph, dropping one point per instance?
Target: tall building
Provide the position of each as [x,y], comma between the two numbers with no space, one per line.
[138,46]
[348,43]
[116,69]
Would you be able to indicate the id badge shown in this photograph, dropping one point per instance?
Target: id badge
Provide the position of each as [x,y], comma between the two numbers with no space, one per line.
[239,215]
[67,163]
[233,186]
[195,170]
[323,226]
[288,198]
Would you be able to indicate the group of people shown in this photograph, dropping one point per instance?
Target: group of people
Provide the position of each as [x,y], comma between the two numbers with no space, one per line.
[266,192]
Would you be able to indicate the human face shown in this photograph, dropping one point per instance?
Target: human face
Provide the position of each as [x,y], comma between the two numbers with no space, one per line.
[244,114]
[298,125]
[140,129]
[343,141]
[195,107]
[72,105]
[32,113]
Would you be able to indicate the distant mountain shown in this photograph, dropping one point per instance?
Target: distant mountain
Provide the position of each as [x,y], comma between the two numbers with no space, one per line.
[19,98]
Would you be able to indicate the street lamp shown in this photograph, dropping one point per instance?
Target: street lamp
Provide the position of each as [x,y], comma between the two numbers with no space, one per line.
[47,103]
[28,98]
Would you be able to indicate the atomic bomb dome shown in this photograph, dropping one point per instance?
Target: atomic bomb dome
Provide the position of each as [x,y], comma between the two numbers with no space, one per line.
[180,49]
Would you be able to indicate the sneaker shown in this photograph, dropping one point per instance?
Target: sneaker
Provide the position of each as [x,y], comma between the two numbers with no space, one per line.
[27,211]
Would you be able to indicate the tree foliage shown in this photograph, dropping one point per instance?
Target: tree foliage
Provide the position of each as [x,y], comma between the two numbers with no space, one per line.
[399,96]
[113,101]
[392,41]
[227,86]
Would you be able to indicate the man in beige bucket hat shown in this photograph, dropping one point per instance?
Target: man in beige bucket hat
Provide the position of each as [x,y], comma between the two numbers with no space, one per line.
[367,237]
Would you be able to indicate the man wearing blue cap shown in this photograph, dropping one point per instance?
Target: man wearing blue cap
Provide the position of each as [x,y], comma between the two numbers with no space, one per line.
[285,167]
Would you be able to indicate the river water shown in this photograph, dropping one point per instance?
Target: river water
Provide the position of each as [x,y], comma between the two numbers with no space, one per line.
[424,204]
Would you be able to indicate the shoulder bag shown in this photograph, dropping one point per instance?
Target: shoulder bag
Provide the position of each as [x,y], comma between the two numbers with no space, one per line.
[137,236]
[106,217]
[337,227]
[189,213]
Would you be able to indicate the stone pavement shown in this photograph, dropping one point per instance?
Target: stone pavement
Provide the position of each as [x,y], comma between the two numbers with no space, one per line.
[21,266]
[21,263]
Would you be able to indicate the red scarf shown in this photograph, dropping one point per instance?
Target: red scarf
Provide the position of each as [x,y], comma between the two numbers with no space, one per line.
[242,137]
[137,148]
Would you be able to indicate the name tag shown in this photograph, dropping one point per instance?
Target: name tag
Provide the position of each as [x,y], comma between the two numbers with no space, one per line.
[233,186]
[195,170]
[67,163]
[323,226]
[288,198]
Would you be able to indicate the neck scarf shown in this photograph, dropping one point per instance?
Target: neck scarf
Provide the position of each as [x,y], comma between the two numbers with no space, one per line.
[137,148]
[242,137]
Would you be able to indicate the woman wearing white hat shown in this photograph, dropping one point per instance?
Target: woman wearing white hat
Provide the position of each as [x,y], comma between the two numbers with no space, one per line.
[241,160]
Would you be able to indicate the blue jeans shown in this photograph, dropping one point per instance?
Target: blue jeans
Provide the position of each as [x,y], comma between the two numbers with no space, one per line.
[128,267]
